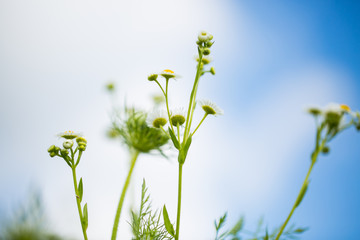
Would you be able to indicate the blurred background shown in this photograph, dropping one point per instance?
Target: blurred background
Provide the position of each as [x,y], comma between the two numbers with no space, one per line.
[272,60]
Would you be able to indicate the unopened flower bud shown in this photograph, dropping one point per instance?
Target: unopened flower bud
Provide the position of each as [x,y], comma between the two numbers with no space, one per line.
[82,147]
[64,152]
[212,70]
[209,44]
[52,154]
[110,87]
[67,144]
[206,51]
[81,139]
[325,150]
[51,148]
[152,77]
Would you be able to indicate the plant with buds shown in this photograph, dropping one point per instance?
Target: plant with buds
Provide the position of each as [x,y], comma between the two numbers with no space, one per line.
[69,156]
[182,137]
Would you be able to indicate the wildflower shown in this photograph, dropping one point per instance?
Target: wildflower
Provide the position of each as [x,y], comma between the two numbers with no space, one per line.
[204,36]
[157,119]
[178,117]
[167,73]
[69,135]
[152,77]
[67,144]
[210,108]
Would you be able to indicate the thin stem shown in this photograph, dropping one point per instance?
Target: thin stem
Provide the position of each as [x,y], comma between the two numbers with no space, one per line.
[178,131]
[179,203]
[313,161]
[199,124]
[78,202]
[167,104]
[123,193]
[165,132]
[192,99]
[160,87]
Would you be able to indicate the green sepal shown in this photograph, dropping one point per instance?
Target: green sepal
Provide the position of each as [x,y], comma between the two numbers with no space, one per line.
[169,227]
[85,217]
[173,139]
[184,150]
[80,189]
[302,194]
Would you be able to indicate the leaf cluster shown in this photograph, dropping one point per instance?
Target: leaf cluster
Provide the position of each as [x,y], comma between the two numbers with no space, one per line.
[146,224]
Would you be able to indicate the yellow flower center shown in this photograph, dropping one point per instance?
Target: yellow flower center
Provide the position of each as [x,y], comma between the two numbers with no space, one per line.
[168,71]
[345,107]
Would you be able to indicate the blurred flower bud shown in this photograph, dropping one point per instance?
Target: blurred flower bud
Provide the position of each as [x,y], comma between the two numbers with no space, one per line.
[52,154]
[64,153]
[51,148]
[206,51]
[110,87]
[67,144]
[82,147]
[212,70]
[81,139]
[152,77]
[325,150]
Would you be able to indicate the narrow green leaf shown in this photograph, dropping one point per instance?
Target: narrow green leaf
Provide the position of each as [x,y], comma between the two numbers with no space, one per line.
[85,217]
[266,235]
[173,139]
[169,227]
[80,189]
[238,226]
[302,194]
[187,145]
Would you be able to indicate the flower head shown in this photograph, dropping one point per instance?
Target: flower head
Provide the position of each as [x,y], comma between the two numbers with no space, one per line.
[178,117]
[152,77]
[167,73]
[204,36]
[157,119]
[69,135]
[210,108]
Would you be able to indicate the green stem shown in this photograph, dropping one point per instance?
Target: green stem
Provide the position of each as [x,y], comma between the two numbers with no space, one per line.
[78,202]
[313,161]
[192,99]
[123,193]
[199,124]
[167,104]
[179,203]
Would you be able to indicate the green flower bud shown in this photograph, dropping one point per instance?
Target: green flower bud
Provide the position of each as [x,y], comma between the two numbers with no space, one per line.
[212,70]
[51,149]
[67,144]
[152,77]
[82,147]
[81,139]
[358,127]
[64,153]
[52,154]
[206,51]
[209,44]
[325,150]
[110,87]
[177,119]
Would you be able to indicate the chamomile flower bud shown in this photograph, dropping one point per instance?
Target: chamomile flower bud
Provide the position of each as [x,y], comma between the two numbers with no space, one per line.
[67,144]
[205,60]
[315,111]
[157,119]
[206,51]
[178,117]
[204,36]
[81,140]
[212,70]
[210,108]
[82,147]
[52,154]
[152,77]
[51,149]
[64,153]
[325,150]
[209,44]
[69,135]
[167,73]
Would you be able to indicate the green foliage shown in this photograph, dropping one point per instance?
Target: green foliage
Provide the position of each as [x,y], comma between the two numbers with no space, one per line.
[28,222]
[136,134]
[146,224]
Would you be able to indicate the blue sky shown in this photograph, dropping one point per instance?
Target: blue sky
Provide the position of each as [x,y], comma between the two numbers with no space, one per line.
[272,59]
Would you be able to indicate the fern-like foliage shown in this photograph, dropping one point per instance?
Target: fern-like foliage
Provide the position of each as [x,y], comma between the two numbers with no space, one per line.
[261,233]
[146,224]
